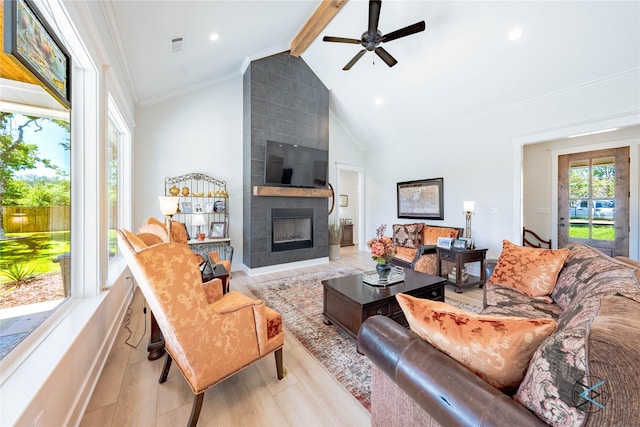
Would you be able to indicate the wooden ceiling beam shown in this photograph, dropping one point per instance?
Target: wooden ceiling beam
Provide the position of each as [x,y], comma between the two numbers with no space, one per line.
[320,19]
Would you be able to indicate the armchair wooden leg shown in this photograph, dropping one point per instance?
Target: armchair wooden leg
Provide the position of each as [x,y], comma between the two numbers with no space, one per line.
[279,364]
[165,370]
[195,411]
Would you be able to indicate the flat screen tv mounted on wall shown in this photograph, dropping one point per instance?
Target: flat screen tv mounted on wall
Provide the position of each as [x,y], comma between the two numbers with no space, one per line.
[295,165]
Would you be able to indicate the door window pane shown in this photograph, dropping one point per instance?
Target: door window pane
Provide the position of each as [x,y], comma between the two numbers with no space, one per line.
[591,199]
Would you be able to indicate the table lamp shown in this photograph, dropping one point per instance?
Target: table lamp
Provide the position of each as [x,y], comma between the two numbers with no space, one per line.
[468,211]
[199,221]
[168,207]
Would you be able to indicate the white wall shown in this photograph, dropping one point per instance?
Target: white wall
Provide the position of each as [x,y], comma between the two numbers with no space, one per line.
[475,156]
[347,156]
[196,132]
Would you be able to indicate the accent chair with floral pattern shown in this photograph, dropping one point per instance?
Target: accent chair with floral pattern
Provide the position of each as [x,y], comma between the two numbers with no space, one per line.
[210,335]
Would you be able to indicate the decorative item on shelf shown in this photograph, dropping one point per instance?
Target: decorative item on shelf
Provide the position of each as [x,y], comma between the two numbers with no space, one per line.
[185,191]
[219,206]
[217,230]
[335,237]
[198,220]
[382,250]
[469,206]
[174,191]
[200,194]
[186,207]
[168,207]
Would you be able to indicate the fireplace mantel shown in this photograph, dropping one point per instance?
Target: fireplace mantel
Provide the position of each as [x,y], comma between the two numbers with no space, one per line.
[269,191]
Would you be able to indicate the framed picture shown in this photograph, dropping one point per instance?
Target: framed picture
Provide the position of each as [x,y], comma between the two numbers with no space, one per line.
[459,244]
[217,230]
[469,241]
[32,44]
[185,207]
[344,200]
[421,199]
[444,242]
[208,207]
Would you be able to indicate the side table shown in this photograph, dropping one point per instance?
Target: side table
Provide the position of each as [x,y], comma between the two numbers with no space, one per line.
[460,257]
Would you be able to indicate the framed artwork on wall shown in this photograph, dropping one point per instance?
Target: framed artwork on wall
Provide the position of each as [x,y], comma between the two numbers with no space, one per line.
[421,199]
[31,44]
[344,200]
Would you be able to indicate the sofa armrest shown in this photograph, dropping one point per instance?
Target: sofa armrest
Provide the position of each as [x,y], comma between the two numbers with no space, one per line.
[423,250]
[447,391]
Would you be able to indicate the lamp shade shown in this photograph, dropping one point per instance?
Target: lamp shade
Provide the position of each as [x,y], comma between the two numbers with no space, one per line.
[168,205]
[469,205]
[198,220]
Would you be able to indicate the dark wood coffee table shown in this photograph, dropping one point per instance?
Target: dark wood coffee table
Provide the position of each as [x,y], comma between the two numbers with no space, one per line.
[348,302]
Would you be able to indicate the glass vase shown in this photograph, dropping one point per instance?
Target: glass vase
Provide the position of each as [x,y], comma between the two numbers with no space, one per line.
[383,272]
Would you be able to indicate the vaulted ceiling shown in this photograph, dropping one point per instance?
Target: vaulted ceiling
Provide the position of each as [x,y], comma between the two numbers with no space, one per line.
[462,65]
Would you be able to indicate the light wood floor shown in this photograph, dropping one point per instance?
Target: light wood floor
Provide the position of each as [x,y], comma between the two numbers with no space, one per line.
[128,392]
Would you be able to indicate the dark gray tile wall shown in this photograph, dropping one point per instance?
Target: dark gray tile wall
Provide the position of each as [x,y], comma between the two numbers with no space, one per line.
[283,101]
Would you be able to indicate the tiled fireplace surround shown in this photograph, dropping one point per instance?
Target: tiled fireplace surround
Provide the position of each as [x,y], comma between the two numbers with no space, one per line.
[283,101]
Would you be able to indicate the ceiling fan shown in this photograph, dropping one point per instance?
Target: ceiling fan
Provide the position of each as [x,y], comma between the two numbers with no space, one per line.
[372,38]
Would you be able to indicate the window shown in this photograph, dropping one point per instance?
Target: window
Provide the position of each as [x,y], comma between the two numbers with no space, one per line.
[35,219]
[113,179]
[118,139]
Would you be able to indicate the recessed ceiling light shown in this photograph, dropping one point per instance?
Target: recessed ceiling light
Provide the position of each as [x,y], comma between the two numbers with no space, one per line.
[515,33]
[214,36]
[378,101]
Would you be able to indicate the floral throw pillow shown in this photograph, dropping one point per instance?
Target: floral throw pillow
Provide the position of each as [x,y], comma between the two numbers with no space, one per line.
[531,271]
[407,235]
[496,348]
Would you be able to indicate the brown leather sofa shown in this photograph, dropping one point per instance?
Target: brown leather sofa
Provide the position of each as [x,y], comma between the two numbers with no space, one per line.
[413,383]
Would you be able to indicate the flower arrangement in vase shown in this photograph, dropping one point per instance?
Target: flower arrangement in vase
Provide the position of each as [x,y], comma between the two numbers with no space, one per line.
[382,250]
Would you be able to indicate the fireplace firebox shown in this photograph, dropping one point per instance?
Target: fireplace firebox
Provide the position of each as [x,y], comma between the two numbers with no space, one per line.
[291,229]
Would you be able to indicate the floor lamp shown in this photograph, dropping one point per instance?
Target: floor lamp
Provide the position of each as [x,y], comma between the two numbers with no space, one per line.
[168,207]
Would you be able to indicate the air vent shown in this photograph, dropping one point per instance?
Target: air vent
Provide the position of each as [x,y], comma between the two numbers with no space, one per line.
[176,44]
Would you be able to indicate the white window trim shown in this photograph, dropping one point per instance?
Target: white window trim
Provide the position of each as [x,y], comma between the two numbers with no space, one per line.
[38,362]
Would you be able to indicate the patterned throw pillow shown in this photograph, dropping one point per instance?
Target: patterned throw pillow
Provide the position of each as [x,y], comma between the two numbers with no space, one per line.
[407,235]
[531,271]
[430,234]
[496,348]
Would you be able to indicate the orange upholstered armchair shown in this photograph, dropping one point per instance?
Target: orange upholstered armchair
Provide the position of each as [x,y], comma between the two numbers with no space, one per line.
[210,336]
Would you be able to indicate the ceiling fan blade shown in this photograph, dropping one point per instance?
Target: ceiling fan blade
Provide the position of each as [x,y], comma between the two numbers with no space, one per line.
[403,32]
[354,60]
[374,16]
[386,57]
[340,40]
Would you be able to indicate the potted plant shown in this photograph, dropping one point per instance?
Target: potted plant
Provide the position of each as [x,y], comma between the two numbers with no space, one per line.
[335,237]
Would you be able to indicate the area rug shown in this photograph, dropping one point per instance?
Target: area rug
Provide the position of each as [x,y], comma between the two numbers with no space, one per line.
[299,300]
